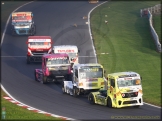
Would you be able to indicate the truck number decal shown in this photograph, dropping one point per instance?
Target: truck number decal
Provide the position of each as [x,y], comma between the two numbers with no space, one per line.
[65,51]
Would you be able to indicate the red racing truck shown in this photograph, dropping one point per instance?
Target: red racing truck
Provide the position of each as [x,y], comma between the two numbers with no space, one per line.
[37,47]
[54,66]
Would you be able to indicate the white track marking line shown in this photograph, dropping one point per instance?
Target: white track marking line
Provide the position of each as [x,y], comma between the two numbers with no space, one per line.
[90,29]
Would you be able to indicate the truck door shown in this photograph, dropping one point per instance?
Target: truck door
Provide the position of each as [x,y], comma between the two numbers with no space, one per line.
[43,65]
[112,89]
[76,76]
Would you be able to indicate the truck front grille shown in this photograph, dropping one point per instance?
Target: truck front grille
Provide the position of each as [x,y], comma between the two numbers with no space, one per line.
[128,95]
[92,84]
[22,31]
[59,72]
[130,102]
[39,53]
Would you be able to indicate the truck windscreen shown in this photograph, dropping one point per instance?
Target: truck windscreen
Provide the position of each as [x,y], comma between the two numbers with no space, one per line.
[58,60]
[21,17]
[39,43]
[88,73]
[133,82]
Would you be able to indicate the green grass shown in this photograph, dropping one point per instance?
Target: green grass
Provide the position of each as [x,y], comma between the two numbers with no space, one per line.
[128,41]
[15,112]
[157,25]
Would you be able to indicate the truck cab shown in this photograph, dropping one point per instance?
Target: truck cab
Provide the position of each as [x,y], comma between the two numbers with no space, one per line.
[23,23]
[124,89]
[71,50]
[86,78]
[37,47]
[53,66]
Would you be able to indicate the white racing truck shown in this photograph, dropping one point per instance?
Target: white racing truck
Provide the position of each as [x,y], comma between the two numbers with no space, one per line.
[71,50]
[86,78]
[23,23]
[37,47]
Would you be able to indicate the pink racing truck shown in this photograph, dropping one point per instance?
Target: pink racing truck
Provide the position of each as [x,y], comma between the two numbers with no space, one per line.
[37,47]
[54,66]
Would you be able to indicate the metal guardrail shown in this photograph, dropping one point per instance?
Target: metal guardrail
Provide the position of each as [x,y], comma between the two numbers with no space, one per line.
[148,12]
[153,32]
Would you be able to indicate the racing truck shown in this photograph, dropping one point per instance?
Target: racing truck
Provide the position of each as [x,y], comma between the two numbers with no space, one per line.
[86,78]
[123,89]
[54,66]
[23,23]
[37,47]
[71,50]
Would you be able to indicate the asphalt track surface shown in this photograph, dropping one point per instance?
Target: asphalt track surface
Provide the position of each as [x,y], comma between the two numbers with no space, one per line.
[56,19]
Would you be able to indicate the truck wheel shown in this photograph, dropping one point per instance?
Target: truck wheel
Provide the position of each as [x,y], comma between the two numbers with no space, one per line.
[28,60]
[69,77]
[35,76]
[44,81]
[109,103]
[63,88]
[34,29]
[91,98]
[75,91]
[13,33]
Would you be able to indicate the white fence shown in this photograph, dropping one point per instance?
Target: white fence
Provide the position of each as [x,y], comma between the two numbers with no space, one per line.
[148,12]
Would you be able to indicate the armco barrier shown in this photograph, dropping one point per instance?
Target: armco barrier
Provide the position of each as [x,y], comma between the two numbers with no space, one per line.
[148,12]
[153,32]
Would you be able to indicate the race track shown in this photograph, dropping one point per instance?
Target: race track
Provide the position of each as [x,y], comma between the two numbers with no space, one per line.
[56,19]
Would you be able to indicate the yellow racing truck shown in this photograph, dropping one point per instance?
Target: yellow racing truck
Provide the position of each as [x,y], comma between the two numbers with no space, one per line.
[124,89]
[86,78]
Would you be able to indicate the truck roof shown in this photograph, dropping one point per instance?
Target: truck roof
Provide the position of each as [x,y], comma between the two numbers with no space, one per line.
[117,74]
[65,49]
[55,55]
[88,64]
[39,37]
[65,46]
[21,13]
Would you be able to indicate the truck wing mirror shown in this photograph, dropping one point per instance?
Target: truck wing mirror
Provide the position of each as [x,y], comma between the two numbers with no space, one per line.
[104,71]
[27,42]
[78,51]
[51,42]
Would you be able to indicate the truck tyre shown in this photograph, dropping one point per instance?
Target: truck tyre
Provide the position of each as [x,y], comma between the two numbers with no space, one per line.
[109,103]
[44,80]
[28,60]
[75,91]
[63,88]
[13,33]
[32,30]
[35,76]
[91,98]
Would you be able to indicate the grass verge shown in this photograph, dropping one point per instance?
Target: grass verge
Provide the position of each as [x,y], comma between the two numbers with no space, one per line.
[15,112]
[128,41]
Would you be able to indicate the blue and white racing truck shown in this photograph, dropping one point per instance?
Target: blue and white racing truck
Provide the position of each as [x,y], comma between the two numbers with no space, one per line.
[23,23]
